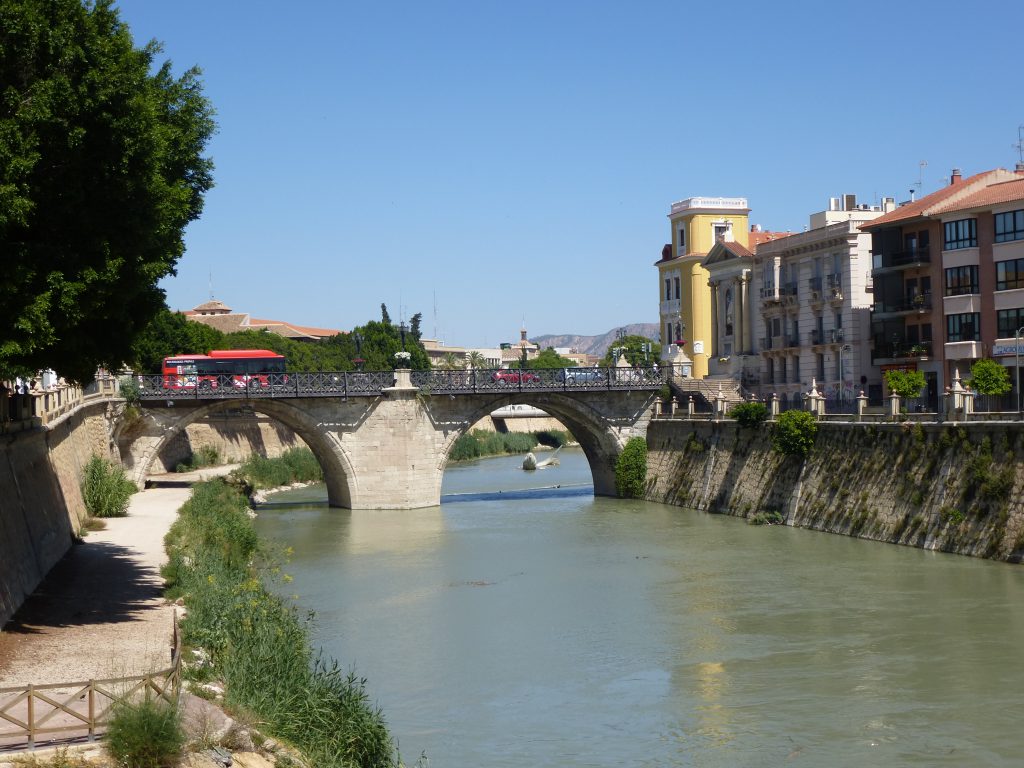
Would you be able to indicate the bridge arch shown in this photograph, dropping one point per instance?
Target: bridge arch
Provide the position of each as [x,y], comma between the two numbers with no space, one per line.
[141,442]
[601,438]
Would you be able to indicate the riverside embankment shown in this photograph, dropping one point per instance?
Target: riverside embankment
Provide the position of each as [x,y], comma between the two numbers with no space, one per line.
[954,488]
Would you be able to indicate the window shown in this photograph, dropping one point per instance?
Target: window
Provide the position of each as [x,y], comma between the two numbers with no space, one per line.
[821,367]
[1009,274]
[771,371]
[1009,226]
[796,369]
[720,231]
[1009,321]
[668,334]
[668,289]
[682,240]
[677,287]
[962,280]
[838,325]
[965,327]
[962,233]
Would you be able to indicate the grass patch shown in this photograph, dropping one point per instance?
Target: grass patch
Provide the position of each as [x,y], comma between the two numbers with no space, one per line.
[258,643]
[206,456]
[479,442]
[105,489]
[296,465]
[146,735]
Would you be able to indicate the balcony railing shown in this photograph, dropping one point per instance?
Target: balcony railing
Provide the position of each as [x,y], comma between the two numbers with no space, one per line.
[831,336]
[896,348]
[835,281]
[901,258]
[814,284]
[919,303]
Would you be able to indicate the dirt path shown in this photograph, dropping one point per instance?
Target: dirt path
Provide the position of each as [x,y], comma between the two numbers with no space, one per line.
[99,613]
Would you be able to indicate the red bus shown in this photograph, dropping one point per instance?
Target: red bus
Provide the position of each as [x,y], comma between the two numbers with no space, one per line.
[240,368]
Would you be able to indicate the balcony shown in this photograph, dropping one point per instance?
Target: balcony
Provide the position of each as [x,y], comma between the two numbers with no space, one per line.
[897,348]
[788,293]
[832,336]
[766,342]
[917,305]
[791,340]
[893,262]
[769,295]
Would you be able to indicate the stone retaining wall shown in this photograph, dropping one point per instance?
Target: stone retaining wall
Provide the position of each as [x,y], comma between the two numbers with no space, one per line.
[41,506]
[944,487]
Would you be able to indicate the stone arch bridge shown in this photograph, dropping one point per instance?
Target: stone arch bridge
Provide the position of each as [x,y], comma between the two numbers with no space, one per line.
[383,440]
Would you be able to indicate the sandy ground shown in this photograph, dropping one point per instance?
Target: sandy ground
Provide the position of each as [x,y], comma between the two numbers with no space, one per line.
[99,613]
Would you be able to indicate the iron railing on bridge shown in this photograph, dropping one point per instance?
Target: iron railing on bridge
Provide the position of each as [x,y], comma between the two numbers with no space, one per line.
[370,383]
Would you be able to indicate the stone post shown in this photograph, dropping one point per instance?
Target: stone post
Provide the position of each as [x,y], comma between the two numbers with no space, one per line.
[862,404]
[689,408]
[968,397]
[948,406]
[773,406]
[674,407]
[816,401]
[894,406]
[719,403]
[657,407]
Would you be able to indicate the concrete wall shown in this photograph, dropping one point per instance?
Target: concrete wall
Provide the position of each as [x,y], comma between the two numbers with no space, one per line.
[41,506]
[934,486]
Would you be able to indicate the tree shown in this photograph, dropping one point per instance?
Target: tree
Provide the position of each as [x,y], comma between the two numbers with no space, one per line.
[550,359]
[794,432]
[906,384]
[474,360]
[634,350]
[990,378]
[414,325]
[631,469]
[384,316]
[101,169]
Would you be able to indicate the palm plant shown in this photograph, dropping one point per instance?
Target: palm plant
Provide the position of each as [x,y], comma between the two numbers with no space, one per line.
[475,360]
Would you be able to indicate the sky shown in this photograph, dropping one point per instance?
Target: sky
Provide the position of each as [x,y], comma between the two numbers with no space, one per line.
[494,164]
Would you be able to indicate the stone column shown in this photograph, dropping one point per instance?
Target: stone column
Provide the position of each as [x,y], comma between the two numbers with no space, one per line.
[689,408]
[674,406]
[894,406]
[657,407]
[773,406]
[716,318]
[741,310]
[862,403]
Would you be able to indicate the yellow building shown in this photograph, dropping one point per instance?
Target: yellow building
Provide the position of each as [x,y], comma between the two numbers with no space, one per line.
[685,297]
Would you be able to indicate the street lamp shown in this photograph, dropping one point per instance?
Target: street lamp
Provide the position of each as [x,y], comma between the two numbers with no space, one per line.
[1016,351]
[402,328]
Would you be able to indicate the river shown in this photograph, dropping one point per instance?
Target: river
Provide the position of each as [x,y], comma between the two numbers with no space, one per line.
[552,628]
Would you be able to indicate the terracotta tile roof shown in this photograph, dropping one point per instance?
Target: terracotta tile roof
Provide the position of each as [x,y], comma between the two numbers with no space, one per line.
[213,305]
[756,238]
[994,194]
[944,200]
[229,323]
[299,330]
[737,249]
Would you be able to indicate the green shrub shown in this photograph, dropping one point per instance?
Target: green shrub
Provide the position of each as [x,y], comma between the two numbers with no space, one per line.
[793,433]
[105,489]
[146,735]
[749,414]
[479,442]
[771,517]
[206,456]
[631,469]
[128,387]
[296,465]
[553,438]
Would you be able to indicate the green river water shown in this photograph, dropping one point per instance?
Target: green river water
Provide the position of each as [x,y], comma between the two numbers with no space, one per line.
[552,628]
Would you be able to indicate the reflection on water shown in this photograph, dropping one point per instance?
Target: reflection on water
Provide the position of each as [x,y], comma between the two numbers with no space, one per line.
[559,629]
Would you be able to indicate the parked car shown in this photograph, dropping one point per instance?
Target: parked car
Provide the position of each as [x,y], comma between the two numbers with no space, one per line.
[582,376]
[510,377]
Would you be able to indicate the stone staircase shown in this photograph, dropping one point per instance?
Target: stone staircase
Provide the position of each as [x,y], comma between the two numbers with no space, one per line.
[704,391]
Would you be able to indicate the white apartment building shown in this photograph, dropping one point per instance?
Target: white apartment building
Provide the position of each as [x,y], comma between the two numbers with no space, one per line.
[813,291]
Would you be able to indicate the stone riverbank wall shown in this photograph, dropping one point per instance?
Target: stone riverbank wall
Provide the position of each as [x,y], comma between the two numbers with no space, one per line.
[954,488]
[41,508]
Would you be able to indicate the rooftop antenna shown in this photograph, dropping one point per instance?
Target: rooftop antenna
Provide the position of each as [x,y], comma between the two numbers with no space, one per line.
[211,285]
[920,174]
[435,313]
[1019,146]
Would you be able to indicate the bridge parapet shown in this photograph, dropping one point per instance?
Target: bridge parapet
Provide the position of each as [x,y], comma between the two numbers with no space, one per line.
[372,383]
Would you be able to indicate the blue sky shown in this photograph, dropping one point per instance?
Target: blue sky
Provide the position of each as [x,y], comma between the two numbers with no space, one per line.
[506,161]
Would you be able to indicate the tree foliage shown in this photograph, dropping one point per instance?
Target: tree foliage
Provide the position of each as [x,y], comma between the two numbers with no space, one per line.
[794,433]
[990,378]
[749,414]
[101,169]
[631,469]
[634,351]
[906,384]
[550,359]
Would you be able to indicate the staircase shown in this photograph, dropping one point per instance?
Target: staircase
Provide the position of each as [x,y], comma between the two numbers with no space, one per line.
[704,391]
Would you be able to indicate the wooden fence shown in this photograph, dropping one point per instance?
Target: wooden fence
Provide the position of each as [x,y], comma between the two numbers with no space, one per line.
[61,712]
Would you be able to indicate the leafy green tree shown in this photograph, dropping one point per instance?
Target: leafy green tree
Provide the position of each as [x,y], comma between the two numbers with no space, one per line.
[414,325]
[101,169]
[749,414]
[384,316]
[906,384]
[550,359]
[794,432]
[631,469]
[634,351]
[990,378]
[475,360]
[171,333]
[381,341]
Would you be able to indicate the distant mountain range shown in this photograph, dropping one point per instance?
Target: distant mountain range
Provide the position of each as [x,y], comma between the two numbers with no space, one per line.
[596,345]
